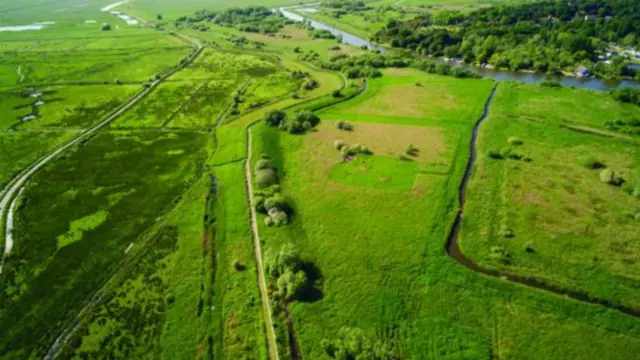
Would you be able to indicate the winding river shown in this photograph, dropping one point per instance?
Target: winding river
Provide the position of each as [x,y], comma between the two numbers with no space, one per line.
[499,75]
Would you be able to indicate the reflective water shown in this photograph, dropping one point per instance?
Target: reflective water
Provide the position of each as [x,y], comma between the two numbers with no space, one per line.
[500,75]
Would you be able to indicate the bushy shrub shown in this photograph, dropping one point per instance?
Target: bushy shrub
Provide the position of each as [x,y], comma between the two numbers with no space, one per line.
[238,265]
[608,176]
[506,232]
[336,93]
[495,154]
[365,150]
[590,162]
[275,118]
[277,201]
[262,164]
[259,204]
[338,144]
[504,152]
[279,218]
[514,141]
[310,84]
[268,221]
[343,125]
[266,177]
[499,254]
[515,156]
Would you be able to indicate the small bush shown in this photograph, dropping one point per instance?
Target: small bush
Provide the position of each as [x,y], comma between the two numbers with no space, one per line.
[275,202]
[336,93]
[365,150]
[499,254]
[506,232]
[259,204]
[515,156]
[495,155]
[266,178]
[238,265]
[590,162]
[264,156]
[268,221]
[279,218]
[514,141]
[608,176]
[262,164]
[504,152]
[339,144]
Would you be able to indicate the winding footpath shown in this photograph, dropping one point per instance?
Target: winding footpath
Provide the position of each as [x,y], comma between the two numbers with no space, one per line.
[262,283]
[453,246]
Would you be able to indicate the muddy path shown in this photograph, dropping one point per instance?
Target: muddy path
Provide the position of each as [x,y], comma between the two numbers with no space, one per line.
[453,246]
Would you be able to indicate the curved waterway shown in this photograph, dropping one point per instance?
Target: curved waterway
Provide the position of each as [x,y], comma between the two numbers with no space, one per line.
[453,247]
[499,75]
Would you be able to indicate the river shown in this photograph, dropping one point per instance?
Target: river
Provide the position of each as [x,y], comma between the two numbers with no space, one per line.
[500,75]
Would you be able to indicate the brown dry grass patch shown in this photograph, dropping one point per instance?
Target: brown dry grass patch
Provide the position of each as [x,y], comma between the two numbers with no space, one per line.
[409,100]
[382,139]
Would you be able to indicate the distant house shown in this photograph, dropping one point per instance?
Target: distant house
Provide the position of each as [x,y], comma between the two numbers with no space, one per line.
[582,72]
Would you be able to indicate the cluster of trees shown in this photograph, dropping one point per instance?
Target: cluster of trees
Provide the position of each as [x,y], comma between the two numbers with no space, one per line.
[546,36]
[353,343]
[257,19]
[627,95]
[299,123]
[368,65]
[321,34]
[268,199]
[286,270]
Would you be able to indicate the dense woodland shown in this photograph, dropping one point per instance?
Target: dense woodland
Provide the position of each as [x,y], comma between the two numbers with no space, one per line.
[547,36]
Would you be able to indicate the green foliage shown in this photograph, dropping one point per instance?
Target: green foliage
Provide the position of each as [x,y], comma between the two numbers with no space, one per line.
[514,141]
[352,343]
[608,176]
[275,118]
[322,34]
[495,155]
[547,36]
[262,164]
[255,19]
[627,95]
[266,177]
[343,125]
[106,27]
[277,202]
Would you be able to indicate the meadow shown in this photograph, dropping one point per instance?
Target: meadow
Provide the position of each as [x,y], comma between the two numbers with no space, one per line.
[552,217]
[137,242]
[402,295]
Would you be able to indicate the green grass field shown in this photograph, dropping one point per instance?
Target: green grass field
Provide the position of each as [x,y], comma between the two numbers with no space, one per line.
[401,289]
[566,226]
[137,243]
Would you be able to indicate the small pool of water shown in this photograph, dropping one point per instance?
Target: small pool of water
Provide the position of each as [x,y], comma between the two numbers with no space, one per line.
[128,19]
[36,26]
[308,10]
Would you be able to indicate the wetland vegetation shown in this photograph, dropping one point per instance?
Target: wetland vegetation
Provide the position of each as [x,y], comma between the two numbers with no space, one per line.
[215,181]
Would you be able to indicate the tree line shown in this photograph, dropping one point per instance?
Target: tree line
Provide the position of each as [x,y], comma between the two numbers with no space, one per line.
[547,36]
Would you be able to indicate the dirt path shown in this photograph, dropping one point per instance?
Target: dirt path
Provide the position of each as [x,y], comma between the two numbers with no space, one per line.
[17,183]
[264,295]
[453,247]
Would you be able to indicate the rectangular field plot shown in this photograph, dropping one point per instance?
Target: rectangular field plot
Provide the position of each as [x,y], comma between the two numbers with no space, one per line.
[104,196]
[205,106]
[415,100]
[215,64]
[73,107]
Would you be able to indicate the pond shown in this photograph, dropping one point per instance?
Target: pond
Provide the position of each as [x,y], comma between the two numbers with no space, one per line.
[499,75]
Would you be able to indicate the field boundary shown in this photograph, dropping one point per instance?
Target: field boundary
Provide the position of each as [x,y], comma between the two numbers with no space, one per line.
[453,250]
